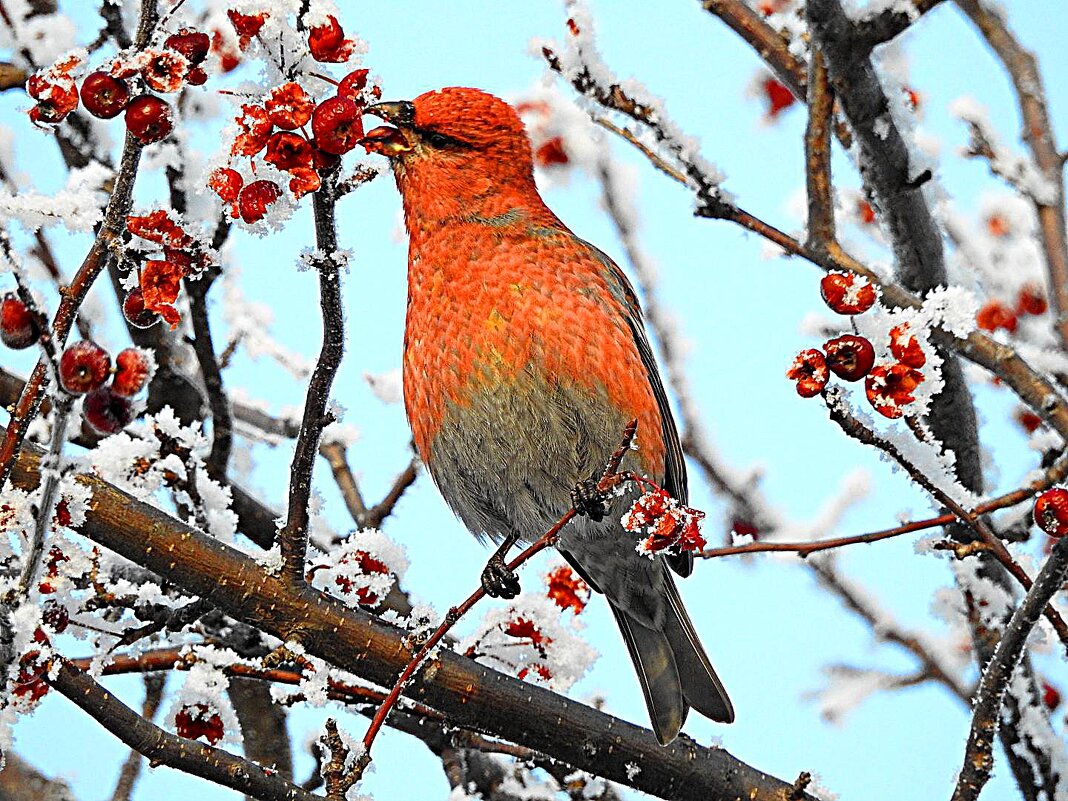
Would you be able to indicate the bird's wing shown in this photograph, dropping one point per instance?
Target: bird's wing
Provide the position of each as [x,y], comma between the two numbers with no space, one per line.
[674,465]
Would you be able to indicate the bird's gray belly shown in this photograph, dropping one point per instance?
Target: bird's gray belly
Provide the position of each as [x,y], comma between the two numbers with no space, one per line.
[507,460]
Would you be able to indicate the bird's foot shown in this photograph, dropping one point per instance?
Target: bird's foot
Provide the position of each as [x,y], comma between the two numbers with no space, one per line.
[498,581]
[588,500]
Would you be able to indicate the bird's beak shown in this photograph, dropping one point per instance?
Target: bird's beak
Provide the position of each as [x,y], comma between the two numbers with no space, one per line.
[386,140]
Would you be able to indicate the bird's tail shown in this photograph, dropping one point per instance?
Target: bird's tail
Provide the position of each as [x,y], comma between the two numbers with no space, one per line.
[673,669]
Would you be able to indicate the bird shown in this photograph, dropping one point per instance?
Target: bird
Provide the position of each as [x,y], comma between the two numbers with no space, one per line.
[525,356]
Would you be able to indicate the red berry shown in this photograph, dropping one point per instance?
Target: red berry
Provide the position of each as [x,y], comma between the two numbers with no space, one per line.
[289,106]
[327,42]
[777,97]
[255,198]
[83,367]
[107,412]
[165,70]
[1051,511]
[149,119]
[288,151]
[905,348]
[1051,696]
[1028,420]
[337,125]
[352,85]
[246,25]
[810,372]
[55,616]
[196,77]
[995,315]
[889,387]
[551,152]
[256,128]
[226,183]
[847,293]
[133,309]
[849,357]
[104,95]
[132,367]
[198,720]
[1031,300]
[304,180]
[192,44]
[18,328]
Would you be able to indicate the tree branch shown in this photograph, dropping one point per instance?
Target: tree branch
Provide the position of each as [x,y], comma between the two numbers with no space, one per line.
[470,694]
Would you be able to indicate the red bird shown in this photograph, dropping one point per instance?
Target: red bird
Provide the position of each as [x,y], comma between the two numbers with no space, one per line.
[524,358]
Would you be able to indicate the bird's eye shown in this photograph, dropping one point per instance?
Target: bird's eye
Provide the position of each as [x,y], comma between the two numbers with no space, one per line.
[435,139]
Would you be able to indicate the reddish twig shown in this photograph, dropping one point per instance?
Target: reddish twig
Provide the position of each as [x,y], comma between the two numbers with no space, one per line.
[610,478]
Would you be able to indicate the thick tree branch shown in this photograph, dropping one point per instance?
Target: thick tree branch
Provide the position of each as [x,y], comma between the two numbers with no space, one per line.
[472,695]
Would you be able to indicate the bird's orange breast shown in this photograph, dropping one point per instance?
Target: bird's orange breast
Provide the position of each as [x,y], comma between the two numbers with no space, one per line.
[492,298]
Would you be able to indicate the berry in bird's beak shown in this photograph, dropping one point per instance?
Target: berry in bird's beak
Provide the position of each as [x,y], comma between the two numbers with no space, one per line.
[387,140]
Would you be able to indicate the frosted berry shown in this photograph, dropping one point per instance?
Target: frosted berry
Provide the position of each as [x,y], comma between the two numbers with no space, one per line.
[810,372]
[226,183]
[289,106]
[149,119]
[1051,696]
[133,309]
[192,44]
[337,125]
[18,328]
[905,348]
[1051,511]
[132,367]
[104,95]
[847,293]
[889,388]
[165,70]
[353,84]
[289,151]
[255,198]
[849,357]
[106,412]
[327,42]
[83,367]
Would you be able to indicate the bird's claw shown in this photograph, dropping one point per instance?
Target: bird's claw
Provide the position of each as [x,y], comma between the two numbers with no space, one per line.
[588,500]
[498,581]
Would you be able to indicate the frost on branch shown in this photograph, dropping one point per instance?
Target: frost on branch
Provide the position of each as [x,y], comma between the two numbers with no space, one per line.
[529,638]
[362,569]
[201,708]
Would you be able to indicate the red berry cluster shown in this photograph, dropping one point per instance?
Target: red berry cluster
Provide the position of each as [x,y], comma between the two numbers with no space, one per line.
[368,566]
[996,315]
[278,128]
[160,279]
[523,628]
[84,369]
[889,387]
[107,93]
[199,720]
[667,524]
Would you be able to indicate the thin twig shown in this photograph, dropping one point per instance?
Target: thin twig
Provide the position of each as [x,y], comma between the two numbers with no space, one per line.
[610,478]
[293,538]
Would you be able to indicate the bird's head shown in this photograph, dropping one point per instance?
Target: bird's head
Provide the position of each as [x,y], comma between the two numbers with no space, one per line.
[453,149]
